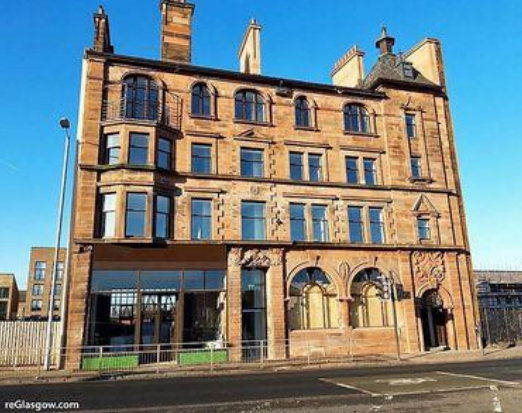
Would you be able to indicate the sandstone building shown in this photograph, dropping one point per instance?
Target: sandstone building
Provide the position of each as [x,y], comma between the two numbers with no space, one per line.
[221,206]
[39,280]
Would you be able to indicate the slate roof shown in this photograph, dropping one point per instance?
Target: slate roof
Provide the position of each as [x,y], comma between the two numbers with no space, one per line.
[499,277]
[389,68]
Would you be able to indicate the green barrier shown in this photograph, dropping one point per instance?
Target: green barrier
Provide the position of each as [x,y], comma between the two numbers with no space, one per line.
[202,357]
[109,362]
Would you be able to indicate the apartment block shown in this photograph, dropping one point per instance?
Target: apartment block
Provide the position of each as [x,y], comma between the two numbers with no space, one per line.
[8,297]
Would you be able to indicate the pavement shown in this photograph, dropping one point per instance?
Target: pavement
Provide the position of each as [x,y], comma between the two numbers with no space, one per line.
[491,384]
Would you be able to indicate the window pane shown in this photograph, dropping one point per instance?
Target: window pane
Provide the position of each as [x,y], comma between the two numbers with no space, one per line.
[410,126]
[253,220]
[370,171]
[201,226]
[194,280]
[215,280]
[135,216]
[201,159]
[416,167]
[162,216]
[423,225]
[139,149]
[108,218]
[113,149]
[252,164]
[297,222]
[315,169]
[376,225]
[356,225]
[320,223]
[352,170]
[296,166]
[164,153]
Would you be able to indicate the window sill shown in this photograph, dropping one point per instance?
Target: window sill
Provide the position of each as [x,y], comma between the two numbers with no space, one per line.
[202,117]
[421,180]
[306,128]
[252,122]
[355,133]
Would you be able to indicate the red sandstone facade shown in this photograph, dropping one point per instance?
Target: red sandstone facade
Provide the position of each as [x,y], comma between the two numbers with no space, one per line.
[281,277]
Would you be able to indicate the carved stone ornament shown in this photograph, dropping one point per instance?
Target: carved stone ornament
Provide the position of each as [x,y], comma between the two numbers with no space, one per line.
[256,258]
[428,267]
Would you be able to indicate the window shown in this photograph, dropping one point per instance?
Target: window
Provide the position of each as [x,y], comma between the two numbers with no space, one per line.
[356,224]
[253,225]
[370,171]
[376,225]
[162,219]
[37,290]
[302,112]
[135,215]
[416,168]
[320,223]
[356,119]
[201,158]
[112,149]
[423,227]
[57,289]
[201,212]
[36,305]
[164,153]
[252,163]
[253,308]
[59,270]
[4,292]
[200,100]
[56,306]
[352,170]
[411,128]
[296,166]
[314,167]
[250,106]
[297,222]
[368,308]
[139,149]
[39,270]
[141,98]
[3,310]
[108,216]
[313,301]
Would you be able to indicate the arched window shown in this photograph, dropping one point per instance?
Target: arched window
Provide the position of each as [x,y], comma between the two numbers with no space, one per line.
[250,106]
[201,100]
[368,307]
[141,98]
[302,112]
[313,301]
[356,119]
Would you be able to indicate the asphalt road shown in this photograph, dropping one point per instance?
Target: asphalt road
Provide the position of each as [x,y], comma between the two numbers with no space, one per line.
[266,391]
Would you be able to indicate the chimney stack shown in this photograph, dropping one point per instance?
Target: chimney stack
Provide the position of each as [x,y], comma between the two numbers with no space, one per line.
[385,43]
[349,70]
[176,30]
[250,51]
[102,34]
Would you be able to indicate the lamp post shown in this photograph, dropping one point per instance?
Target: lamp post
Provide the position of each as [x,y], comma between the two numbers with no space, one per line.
[390,293]
[65,124]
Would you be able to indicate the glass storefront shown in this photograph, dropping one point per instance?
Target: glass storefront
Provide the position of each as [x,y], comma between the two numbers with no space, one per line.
[135,307]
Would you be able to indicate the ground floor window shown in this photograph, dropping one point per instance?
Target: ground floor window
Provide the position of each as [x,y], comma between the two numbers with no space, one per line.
[313,301]
[135,307]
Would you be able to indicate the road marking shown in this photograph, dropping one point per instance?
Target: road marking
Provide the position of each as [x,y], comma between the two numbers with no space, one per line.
[469,376]
[406,382]
[347,386]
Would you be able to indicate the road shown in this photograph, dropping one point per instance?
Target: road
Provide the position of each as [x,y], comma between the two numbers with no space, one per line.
[463,387]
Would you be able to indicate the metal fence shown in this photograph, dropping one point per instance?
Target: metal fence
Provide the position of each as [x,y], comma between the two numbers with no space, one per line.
[501,325]
[186,356]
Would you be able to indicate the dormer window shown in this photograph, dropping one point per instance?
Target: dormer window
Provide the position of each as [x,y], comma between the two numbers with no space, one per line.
[250,106]
[407,70]
[356,119]
[302,113]
[201,100]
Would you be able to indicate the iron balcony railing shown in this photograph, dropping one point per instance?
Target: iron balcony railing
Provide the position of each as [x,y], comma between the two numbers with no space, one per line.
[163,113]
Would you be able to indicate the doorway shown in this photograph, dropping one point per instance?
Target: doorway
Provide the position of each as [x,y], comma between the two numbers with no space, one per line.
[158,316]
[434,318]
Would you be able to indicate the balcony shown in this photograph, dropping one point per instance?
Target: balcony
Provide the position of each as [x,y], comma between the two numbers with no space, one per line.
[157,107]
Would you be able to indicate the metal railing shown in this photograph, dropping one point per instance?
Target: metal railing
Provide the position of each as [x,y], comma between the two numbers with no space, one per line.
[167,113]
[182,356]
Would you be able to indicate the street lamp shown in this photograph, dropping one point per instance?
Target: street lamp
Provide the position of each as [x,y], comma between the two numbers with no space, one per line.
[65,125]
[389,292]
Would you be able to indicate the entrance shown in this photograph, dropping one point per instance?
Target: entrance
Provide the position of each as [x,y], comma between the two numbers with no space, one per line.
[434,318]
[158,315]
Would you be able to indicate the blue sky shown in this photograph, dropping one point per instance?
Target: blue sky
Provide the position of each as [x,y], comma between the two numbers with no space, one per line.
[42,44]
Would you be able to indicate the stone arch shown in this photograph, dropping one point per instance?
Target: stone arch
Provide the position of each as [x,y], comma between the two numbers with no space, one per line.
[330,272]
[367,265]
[444,293]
